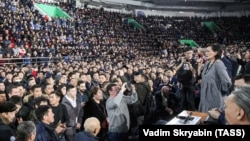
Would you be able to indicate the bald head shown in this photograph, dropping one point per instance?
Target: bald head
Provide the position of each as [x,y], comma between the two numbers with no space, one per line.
[165,89]
[92,125]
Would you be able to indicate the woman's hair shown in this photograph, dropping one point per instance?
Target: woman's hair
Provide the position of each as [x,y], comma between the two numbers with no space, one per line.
[216,48]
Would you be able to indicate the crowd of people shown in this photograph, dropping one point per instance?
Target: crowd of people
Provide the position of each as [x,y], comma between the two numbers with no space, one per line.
[97,77]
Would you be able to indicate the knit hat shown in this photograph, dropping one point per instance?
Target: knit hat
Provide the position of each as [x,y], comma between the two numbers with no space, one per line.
[7,107]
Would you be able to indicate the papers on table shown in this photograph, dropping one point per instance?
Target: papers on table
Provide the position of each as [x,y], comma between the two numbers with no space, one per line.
[184,118]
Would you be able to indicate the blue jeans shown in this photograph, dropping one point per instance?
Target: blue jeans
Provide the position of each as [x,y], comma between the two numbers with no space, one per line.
[116,136]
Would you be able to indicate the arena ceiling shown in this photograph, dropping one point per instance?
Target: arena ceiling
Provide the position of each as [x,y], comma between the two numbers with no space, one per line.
[188,5]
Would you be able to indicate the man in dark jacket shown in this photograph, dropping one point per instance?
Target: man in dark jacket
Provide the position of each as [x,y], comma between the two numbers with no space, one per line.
[61,114]
[167,104]
[7,114]
[186,73]
[96,108]
[138,113]
[44,131]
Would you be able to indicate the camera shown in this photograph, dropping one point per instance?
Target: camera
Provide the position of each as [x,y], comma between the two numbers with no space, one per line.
[128,90]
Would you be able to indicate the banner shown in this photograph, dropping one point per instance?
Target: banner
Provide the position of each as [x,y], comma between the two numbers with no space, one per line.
[190,43]
[52,11]
[212,26]
[134,23]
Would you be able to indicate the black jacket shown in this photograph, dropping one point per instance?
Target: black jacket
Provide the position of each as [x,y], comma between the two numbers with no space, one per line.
[173,102]
[92,109]
[6,132]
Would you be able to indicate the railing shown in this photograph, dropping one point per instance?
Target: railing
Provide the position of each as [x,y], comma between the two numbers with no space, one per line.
[40,60]
[28,60]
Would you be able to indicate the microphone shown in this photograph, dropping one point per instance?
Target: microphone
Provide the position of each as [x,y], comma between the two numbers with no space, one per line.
[188,117]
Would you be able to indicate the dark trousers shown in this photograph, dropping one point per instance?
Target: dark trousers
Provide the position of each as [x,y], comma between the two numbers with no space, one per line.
[187,94]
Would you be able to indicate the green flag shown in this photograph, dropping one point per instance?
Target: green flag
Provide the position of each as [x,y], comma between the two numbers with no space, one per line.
[212,26]
[60,13]
[134,23]
[52,11]
[190,43]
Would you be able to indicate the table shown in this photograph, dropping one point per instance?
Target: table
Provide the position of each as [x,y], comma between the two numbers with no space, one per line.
[203,116]
[199,118]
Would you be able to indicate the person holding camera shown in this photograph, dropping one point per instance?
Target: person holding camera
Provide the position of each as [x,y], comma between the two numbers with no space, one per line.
[118,113]
[186,76]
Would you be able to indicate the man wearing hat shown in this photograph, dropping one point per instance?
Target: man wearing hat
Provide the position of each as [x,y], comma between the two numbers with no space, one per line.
[7,115]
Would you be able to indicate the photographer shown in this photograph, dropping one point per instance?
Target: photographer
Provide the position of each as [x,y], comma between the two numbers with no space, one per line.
[186,75]
[118,114]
